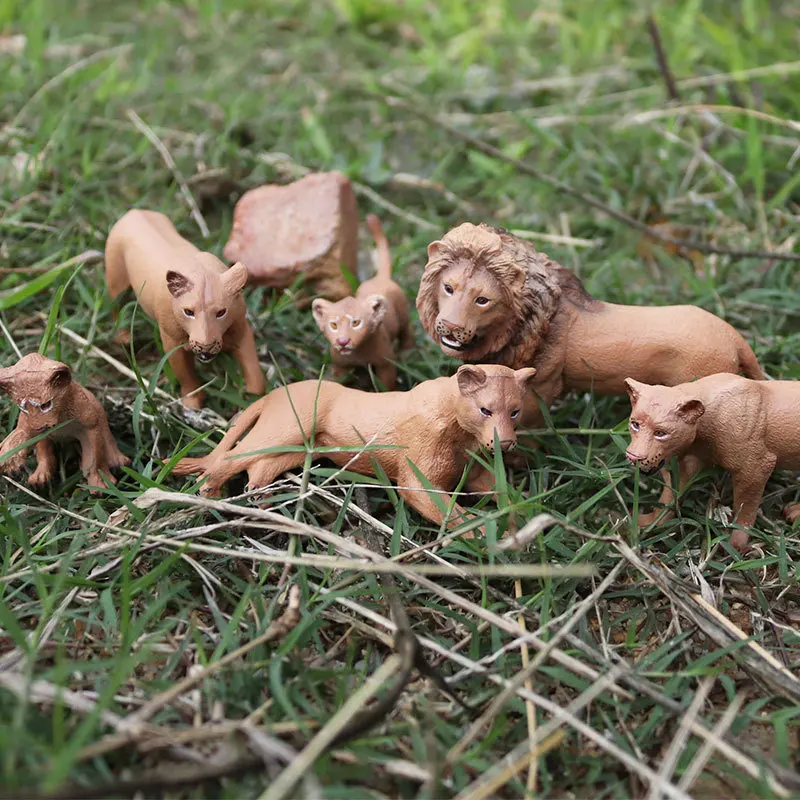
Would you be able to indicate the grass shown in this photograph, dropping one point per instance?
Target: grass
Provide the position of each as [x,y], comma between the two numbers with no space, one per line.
[108,600]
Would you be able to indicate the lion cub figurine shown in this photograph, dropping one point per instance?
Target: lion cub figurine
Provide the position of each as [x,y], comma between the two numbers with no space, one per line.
[47,396]
[366,329]
[195,299]
[748,428]
[488,296]
[433,426]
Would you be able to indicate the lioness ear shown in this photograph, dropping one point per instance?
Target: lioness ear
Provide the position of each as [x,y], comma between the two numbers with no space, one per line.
[690,411]
[378,306]
[235,278]
[318,309]
[634,389]
[60,377]
[435,249]
[470,378]
[7,378]
[525,378]
[178,284]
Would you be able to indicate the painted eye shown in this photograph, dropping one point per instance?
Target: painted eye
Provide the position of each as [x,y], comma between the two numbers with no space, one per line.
[356,323]
[661,434]
[514,414]
[481,301]
[45,407]
[448,289]
[634,426]
[485,412]
[188,312]
[333,325]
[221,313]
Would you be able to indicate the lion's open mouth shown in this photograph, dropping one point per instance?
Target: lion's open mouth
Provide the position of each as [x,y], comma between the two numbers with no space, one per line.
[205,357]
[453,344]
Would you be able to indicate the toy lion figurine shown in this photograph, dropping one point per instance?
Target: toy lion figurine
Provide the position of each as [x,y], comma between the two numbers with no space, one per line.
[47,396]
[487,296]
[748,428]
[432,426]
[367,329]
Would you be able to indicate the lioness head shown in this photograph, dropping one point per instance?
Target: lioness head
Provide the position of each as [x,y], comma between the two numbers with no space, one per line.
[663,423]
[491,401]
[348,323]
[38,385]
[202,305]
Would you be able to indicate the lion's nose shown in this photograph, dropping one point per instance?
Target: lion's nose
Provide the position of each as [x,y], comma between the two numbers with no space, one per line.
[632,457]
[449,325]
[506,445]
[342,340]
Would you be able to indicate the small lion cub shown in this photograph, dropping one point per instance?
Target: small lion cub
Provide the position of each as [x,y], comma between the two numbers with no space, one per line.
[747,427]
[367,329]
[47,396]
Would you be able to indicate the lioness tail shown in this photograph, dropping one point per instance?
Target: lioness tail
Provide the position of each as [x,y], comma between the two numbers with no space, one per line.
[384,268]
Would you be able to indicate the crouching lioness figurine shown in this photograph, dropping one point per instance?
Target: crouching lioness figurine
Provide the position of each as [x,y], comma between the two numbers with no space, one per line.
[432,426]
[748,428]
[488,296]
[47,396]
[195,299]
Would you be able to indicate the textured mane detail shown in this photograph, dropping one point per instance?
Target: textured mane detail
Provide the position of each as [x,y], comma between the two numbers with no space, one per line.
[532,286]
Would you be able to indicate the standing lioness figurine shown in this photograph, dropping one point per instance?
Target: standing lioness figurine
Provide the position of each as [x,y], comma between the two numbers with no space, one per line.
[488,296]
[196,300]
[749,428]
[47,397]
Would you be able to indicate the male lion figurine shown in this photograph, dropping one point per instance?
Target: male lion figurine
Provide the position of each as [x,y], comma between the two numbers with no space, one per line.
[748,428]
[195,299]
[367,329]
[47,396]
[487,296]
[432,426]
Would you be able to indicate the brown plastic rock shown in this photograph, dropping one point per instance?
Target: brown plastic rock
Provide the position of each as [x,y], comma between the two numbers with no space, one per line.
[367,329]
[488,296]
[433,425]
[47,396]
[748,428]
[308,227]
[196,300]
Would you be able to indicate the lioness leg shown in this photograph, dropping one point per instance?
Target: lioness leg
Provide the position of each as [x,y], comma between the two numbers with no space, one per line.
[688,467]
[387,375]
[247,356]
[46,463]
[791,513]
[268,468]
[748,489]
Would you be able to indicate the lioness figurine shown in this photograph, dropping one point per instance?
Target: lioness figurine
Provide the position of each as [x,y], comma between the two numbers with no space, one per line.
[47,396]
[433,426]
[367,329]
[195,299]
[307,229]
[487,296]
[747,427]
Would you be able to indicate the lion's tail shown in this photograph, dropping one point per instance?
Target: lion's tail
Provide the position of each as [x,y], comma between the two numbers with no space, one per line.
[748,363]
[384,269]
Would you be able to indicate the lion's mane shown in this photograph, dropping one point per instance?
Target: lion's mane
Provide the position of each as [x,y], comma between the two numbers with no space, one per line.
[507,258]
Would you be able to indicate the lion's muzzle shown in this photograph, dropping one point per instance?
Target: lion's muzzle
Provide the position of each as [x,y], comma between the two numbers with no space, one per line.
[453,336]
[205,352]
[646,467]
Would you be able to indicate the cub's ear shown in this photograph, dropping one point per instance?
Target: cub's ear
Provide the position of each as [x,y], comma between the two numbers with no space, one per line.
[378,306]
[435,249]
[634,389]
[61,377]
[525,378]
[690,411]
[319,308]
[178,284]
[470,378]
[235,278]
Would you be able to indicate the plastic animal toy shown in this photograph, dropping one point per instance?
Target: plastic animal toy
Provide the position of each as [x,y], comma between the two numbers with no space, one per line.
[47,396]
[366,329]
[308,228]
[748,428]
[487,296]
[195,299]
[433,426]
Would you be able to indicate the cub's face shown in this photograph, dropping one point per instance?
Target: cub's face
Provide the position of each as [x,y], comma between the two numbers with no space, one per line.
[40,387]
[663,423]
[492,399]
[470,302]
[202,305]
[348,323]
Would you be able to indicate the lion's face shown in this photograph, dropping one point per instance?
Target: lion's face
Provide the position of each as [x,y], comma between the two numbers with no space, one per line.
[663,423]
[350,322]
